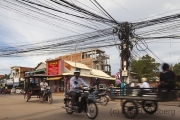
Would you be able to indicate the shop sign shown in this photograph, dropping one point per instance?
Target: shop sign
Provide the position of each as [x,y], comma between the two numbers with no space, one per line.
[53,68]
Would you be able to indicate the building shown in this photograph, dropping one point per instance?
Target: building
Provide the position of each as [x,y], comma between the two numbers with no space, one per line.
[94,59]
[60,71]
[40,69]
[18,73]
[1,76]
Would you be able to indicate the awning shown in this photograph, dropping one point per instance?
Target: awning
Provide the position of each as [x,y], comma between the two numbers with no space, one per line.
[54,78]
[40,70]
[99,73]
[40,75]
[92,76]
[78,65]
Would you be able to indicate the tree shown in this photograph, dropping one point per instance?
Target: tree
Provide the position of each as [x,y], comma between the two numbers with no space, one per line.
[176,68]
[5,76]
[145,67]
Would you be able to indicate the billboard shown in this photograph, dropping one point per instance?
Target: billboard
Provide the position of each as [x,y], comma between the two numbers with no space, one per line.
[53,68]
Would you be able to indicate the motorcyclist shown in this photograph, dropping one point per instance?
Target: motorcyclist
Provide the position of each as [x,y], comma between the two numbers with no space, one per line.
[43,86]
[96,90]
[75,87]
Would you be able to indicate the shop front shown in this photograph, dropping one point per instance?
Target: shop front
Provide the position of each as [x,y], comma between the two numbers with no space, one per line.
[55,68]
[59,73]
[61,85]
[54,83]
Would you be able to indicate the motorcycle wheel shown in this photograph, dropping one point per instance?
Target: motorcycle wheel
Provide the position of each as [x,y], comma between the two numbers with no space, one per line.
[68,110]
[50,99]
[91,109]
[103,100]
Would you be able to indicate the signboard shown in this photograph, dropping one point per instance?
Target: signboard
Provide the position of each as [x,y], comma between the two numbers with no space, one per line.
[53,68]
[124,73]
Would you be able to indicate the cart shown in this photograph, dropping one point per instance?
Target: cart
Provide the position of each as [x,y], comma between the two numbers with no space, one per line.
[33,81]
[131,102]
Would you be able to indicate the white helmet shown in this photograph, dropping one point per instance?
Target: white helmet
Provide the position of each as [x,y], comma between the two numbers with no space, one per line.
[77,70]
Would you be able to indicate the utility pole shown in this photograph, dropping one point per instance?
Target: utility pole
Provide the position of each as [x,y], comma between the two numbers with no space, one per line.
[124,33]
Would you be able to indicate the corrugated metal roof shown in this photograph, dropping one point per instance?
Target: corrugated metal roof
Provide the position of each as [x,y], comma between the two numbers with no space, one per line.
[93,76]
[78,65]
[99,73]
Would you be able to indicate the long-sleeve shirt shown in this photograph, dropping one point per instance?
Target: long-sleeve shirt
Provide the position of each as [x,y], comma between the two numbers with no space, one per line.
[73,84]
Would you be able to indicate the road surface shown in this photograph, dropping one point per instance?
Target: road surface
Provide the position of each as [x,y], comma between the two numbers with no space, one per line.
[14,107]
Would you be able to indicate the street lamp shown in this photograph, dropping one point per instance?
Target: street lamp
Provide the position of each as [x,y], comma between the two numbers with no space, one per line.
[75,50]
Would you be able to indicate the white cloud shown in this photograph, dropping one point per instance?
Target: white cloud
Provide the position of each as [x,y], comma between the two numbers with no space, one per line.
[24,32]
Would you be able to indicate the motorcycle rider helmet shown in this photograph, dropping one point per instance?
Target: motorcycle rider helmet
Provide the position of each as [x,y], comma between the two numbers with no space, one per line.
[77,71]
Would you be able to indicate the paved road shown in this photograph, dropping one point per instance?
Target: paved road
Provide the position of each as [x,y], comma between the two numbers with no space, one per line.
[14,107]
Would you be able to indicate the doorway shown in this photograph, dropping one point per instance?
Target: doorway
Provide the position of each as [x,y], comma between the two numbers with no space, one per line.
[61,85]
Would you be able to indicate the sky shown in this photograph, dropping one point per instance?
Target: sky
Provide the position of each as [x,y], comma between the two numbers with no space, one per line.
[16,29]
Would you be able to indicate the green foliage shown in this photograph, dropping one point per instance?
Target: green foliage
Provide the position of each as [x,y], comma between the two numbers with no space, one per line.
[176,68]
[5,76]
[145,67]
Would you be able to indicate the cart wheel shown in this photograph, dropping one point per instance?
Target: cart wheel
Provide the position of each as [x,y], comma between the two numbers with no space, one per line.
[150,107]
[130,109]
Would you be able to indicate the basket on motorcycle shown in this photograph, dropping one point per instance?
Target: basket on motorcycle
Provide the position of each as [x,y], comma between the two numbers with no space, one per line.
[84,94]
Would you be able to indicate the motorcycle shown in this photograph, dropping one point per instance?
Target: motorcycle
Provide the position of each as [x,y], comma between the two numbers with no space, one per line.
[48,95]
[107,95]
[85,104]
[101,98]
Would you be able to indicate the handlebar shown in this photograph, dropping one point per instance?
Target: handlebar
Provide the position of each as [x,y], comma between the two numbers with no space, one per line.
[85,88]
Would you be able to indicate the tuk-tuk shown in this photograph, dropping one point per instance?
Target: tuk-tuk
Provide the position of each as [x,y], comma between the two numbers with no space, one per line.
[32,85]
